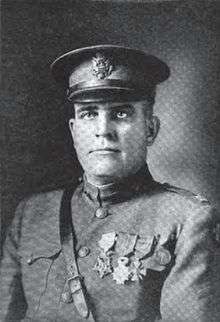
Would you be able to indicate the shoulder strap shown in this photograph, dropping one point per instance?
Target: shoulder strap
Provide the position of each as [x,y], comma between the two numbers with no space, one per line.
[186,193]
[68,243]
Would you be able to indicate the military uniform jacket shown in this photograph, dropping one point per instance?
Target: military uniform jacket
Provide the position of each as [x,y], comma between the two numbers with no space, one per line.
[146,251]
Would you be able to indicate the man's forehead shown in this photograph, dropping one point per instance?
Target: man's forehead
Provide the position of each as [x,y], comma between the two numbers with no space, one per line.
[110,105]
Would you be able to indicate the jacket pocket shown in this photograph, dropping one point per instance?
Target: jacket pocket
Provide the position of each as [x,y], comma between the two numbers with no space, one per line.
[38,276]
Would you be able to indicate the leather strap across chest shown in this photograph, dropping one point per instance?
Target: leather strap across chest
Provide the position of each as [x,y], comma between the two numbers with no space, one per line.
[68,243]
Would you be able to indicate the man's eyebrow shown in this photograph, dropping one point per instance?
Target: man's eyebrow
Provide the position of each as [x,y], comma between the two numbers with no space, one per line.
[123,106]
[86,108]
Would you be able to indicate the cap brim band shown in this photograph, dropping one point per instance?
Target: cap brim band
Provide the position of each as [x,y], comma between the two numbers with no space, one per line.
[105,89]
[108,94]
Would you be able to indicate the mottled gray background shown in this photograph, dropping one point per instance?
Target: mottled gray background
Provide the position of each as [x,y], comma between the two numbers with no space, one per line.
[35,148]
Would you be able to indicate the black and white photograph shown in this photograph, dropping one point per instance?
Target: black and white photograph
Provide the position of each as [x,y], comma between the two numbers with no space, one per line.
[110,194]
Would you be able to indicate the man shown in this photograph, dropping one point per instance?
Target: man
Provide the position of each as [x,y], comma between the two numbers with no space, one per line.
[116,246]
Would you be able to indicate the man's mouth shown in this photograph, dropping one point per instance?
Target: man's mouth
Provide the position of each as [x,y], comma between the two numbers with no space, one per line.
[105,150]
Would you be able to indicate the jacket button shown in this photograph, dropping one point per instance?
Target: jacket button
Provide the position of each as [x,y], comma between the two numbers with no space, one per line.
[66,297]
[101,213]
[83,251]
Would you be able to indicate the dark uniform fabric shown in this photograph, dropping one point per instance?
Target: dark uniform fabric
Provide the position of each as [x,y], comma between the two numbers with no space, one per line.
[175,231]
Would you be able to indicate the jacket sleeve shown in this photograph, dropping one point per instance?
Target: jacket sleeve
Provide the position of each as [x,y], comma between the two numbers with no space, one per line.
[191,291]
[12,298]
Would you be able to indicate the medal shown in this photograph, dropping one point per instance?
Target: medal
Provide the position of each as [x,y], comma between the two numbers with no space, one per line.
[137,271]
[107,241]
[158,260]
[103,265]
[125,244]
[133,256]
[162,256]
[144,246]
[122,272]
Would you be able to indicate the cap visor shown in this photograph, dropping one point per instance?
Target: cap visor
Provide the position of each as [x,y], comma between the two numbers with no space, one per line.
[102,94]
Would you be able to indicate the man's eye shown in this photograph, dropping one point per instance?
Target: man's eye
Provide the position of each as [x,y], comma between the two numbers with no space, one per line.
[121,114]
[88,115]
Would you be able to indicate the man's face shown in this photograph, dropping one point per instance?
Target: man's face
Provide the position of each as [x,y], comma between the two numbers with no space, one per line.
[111,138]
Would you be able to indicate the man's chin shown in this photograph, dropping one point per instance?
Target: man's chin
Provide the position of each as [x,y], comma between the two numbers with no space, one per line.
[101,170]
[107,173]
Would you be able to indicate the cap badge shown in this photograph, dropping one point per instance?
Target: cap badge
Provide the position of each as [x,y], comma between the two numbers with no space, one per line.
[101,66]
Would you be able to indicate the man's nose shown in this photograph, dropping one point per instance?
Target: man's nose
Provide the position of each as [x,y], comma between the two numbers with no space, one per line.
[105,127]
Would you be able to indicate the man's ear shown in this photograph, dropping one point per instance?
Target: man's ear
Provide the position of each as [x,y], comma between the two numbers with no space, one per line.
[153,126]
[72,127]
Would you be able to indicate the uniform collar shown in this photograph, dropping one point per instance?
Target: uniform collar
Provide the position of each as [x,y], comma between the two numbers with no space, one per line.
[121,190]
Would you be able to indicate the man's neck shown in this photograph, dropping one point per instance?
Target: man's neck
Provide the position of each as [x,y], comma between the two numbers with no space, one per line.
[122,189]
[101,181]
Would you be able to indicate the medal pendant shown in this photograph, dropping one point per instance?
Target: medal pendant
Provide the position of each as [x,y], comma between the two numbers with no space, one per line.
[122,273]
[137,271]
[103,265]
